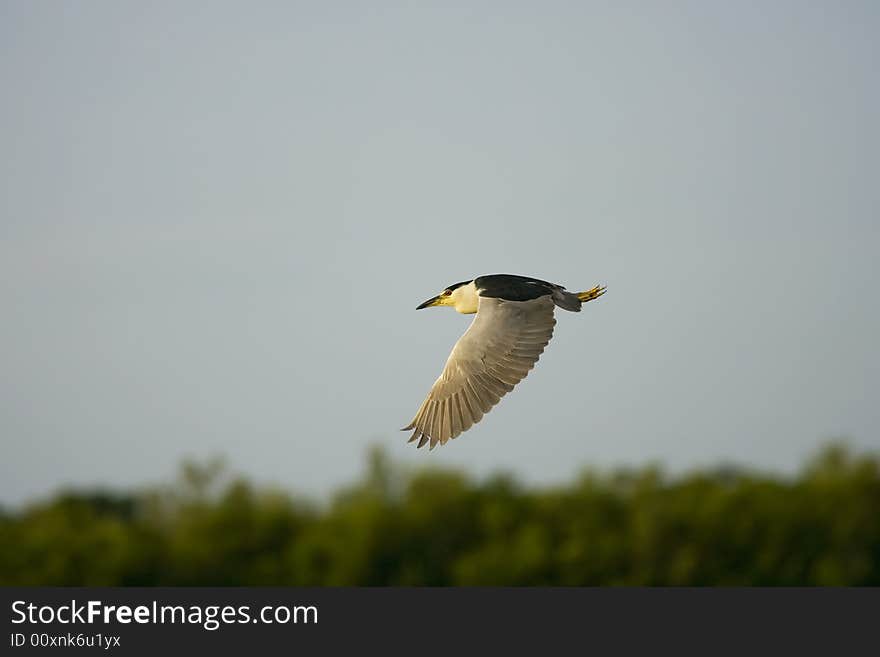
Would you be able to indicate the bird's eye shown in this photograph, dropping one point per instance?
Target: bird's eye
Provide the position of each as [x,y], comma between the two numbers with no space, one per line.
[446,293]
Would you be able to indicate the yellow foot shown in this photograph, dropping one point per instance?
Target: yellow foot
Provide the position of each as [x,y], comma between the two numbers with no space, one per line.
[589,295]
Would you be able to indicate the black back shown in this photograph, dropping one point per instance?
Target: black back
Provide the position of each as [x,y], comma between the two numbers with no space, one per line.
[513,287]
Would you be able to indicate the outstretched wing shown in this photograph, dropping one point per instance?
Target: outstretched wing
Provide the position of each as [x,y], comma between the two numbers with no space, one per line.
[497,351]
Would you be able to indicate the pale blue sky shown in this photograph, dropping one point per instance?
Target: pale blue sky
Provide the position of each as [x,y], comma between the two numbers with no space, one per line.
[217,220]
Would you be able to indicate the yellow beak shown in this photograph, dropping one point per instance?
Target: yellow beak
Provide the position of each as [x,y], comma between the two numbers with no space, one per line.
[433,301]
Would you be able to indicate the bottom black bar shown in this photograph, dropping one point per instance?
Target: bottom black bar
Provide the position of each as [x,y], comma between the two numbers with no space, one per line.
[134,621]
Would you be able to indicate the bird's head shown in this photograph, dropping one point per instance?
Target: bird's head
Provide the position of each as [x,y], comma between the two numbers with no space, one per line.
[461,296]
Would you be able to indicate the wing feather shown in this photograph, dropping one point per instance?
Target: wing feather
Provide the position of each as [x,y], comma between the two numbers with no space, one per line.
[475,410]
[482,394]
[427,422]
[480,404]
[446,420]
[455,412]
[434,431]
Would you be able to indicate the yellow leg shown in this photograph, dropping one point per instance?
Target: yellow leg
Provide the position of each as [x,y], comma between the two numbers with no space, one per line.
[589,295]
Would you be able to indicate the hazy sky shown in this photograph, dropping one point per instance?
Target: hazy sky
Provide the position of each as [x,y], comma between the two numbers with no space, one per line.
[217,220]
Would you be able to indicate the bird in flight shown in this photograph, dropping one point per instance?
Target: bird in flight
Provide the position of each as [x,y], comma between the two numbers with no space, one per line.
[514,323]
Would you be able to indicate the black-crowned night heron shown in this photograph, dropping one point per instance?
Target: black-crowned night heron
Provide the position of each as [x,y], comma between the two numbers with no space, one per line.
[514,323]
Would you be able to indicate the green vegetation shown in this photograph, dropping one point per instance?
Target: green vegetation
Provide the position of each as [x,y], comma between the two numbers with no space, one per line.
[441,528]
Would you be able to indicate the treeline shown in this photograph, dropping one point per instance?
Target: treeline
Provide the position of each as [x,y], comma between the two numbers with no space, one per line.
[440,527]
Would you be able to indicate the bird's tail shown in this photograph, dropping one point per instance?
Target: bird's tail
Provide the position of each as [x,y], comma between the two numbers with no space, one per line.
[571,301]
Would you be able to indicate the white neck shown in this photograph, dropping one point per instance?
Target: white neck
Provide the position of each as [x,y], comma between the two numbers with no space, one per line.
[465,298]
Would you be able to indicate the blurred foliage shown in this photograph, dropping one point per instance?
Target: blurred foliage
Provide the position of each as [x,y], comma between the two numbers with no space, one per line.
[438,527]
